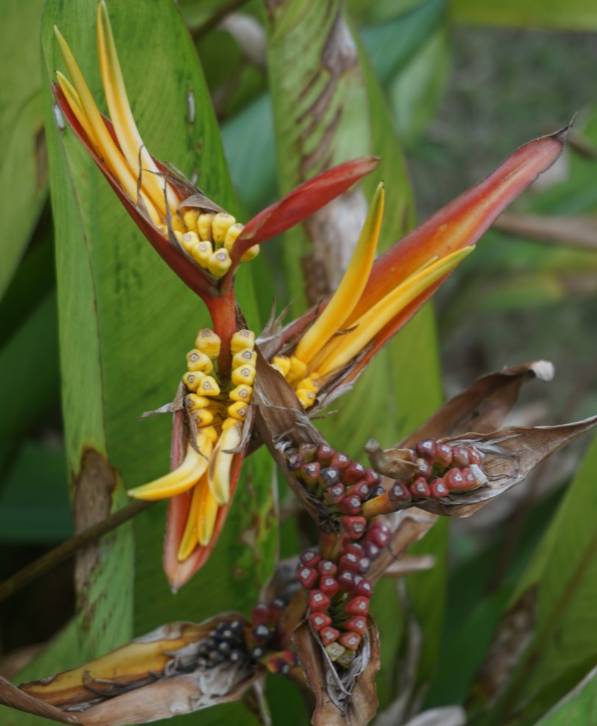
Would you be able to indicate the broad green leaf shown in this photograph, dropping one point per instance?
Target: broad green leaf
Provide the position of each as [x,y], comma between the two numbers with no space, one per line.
[562,577]
[23,173]
[328,107]
[573,15]
[126,322]
[577,708]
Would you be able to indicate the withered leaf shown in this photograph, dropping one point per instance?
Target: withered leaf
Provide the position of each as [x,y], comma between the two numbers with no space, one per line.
[157,676]
[342,698]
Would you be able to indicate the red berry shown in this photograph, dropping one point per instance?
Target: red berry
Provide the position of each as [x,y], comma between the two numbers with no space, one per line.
[318,600]
[460,456]
[364,588]
[469,478]
[364,564]
[324,454]
[454,480]
[334,494]
[379,534]
[329,477]
[346,579]
[329,585]
[360,490]
[353,473]
[475,456]
[354,548]
[398,492]
[310,472]
[354,527]
[357,605]
[350,505]
[426,448]
[443,455]
[419,488]
[319,620]
[349,561]
[372,477]
[310,558]
[439,488]
[340,460]
[261,614]
[329,635]
[357,624]
[371,550]
[350,640]
[327,567]
[307,576]
[424,467]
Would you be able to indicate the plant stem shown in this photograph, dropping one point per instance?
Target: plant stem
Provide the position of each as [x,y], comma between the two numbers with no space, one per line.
[67,549]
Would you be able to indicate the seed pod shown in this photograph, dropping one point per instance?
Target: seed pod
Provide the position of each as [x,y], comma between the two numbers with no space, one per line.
[443,455]
[328,585]
[346,580]
[353,473]
[349,561]
[219,262]
[420,488]
[307,452]
[243,376]
[349,505]
[318,600]
[238,411]
[426,449]
[241,340]
[319,621]
[357,605]
[334,494]
[246,357]
[330,476]
[354,527]
[327,567]
[204,226]
[310,558]
[192,380]
[232,235]
[357,624]
[242,393]
[328,635]
[202,253]
[198,361]
[196,403]
[208,342]
[350,640]
[379,534]
[340,461]
[438,488]
[460,456]
[324,454]
[282,364]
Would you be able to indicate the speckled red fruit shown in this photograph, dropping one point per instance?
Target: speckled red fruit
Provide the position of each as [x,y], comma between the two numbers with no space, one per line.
[261,614]
[353,473]
[350,640]
[319,620]
[350,505]
[310,558]
[354,547]
[346,579]
[340,460]
[324,454]
[357,605]
[307,576]
[318,600]
[327,567]
[358,624]
[360,490]
[399,492]
[460,456]
[426,448]
[329,635]
[379,534]
[443,455]
[454,480]
[328,585]
[349,561]
[439,488]
[419,488]
[354,527]
[364,588]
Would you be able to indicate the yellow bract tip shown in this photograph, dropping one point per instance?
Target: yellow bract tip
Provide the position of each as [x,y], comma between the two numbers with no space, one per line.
[219,471]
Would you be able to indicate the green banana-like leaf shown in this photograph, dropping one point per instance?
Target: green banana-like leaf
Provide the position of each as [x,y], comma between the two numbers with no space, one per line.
[573,15]
[23,166]
[126,322]
[329,107]
[561,582]
[577,708]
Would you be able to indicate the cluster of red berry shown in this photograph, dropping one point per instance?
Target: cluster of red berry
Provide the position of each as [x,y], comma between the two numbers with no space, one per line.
[263,637]
[339,592]
[342,484]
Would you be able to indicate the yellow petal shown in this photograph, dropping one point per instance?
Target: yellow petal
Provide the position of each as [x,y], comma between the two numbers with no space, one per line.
[180,480]
[342,350]
[219,471]
[189,539]
[351,287]
[122,118]
[207,510]
[75,103]
[106,146]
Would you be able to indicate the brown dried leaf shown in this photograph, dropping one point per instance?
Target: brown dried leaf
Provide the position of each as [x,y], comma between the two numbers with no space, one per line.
[340,698]
[483,406]
[153,677]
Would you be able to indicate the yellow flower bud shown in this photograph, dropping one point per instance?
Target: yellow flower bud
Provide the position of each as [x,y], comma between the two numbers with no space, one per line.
[208,342]
[201,253]
[282,364]
[238,410]
[192,379]
[219,263]
[177,224]
[232,235]
[204,226]
[298,369]
[203,417]
[178,235]
[306,398]
[242,393]
[229,423]
[188,241]
[246,357]
[208,386]
[308,384]
[220,226]
[210,434]
[250,254]
[195,402]
[244,375]
[198,361]
[241,340]
[190,217]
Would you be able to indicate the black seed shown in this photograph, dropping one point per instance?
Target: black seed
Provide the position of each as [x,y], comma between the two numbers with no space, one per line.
[258,652]
[261,632]
[236,655]
[224,648]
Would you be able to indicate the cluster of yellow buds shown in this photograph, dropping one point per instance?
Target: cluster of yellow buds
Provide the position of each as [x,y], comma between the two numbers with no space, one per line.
[217,410]
[295,371]
[208,238]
